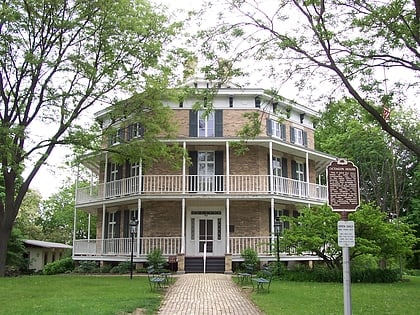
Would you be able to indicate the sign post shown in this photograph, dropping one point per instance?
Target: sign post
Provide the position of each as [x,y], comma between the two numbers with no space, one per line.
[344,197]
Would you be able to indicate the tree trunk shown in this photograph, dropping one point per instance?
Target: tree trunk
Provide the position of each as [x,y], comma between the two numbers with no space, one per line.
[5,231]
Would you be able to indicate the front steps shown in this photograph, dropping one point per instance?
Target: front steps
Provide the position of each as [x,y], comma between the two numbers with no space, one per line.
[213,265]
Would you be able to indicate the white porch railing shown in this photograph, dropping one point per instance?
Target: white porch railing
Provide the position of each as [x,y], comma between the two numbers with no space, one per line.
[261,244]
[122,246]
[170,246]
[176,184]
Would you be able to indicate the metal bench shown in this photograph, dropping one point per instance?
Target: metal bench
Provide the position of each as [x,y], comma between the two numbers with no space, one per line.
[156,281]
[264,280]
[246,275]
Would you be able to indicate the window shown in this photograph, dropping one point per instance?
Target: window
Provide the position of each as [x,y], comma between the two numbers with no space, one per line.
[278,130]
[277,166]
[135,131]
[205,124]
[298,136]
[112,222]
[201,125]
[257,102]
[300,171]
[113,172]
[230,101]
[282,213]
[116,137]
[134,169]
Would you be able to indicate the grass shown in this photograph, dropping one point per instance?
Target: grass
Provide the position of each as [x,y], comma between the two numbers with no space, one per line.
[304,298]
[118,295]
[70,294]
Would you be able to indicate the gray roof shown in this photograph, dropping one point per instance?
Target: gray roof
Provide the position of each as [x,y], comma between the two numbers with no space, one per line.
[46,244]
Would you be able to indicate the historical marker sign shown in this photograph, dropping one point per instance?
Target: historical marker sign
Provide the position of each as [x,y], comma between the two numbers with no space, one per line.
[343,186]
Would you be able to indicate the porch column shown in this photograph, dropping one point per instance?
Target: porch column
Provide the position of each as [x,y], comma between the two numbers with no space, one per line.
[227,168]
[307,173]
[270,153]
[183,227]
[105,174]
[138,225]
[272,218]
[140,180]
[184,146]
[103,228]
[227,226]
[75,202]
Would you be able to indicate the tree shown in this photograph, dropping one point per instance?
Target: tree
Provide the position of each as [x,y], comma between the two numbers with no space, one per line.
[315,230]
[58,60]
[57,218]
[27,218]
[344,45]
[386,169]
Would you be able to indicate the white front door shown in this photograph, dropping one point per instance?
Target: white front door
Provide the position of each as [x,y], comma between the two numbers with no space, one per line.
[206,233]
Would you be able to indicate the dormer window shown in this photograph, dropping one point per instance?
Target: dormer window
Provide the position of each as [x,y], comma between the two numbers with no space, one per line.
[230,101]
[258,102]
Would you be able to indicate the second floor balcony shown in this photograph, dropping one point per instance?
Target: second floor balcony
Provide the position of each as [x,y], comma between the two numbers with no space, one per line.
[178,185]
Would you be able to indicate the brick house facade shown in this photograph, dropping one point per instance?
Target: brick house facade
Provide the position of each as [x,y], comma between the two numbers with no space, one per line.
[221,203]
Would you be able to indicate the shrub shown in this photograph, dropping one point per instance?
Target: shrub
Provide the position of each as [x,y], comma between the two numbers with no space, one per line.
[155,258]
[322,274]
[59,266]
[86,267]
[122,267]
[250,257]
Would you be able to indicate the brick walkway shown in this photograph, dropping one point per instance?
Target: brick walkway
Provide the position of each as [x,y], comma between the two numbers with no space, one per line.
[206,294]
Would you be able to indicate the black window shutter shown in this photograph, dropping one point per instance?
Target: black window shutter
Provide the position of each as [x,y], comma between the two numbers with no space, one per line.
[193,123]
[127,169]
[106,224]
[284,167]
[119,171]
[126,232]
[193,167]
[129,132]
[108,172]
[305,138]
[286,224]
[219,162]
[117,224]
[218,155]
[304,172]
[294,175]
[218,116]
[283,132]
[193,171]
[292,135]
[269,127]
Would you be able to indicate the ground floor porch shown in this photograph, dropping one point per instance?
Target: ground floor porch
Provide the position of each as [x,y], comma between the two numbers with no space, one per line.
[190,231]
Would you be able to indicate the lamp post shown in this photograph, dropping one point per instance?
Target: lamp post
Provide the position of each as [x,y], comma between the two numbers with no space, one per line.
[277,231]
[133,232]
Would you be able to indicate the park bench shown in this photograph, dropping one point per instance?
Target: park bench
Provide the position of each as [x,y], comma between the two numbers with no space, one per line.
[265,279]
[246,275]
[156,281]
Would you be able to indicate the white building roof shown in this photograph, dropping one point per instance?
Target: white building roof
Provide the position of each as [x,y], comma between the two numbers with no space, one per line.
[46,244]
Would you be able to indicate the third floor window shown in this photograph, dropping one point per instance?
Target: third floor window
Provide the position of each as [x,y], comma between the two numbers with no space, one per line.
[203,126]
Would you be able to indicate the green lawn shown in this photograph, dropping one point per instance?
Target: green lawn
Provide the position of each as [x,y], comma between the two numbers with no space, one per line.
[75,294]
[72,294]
[304,298]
